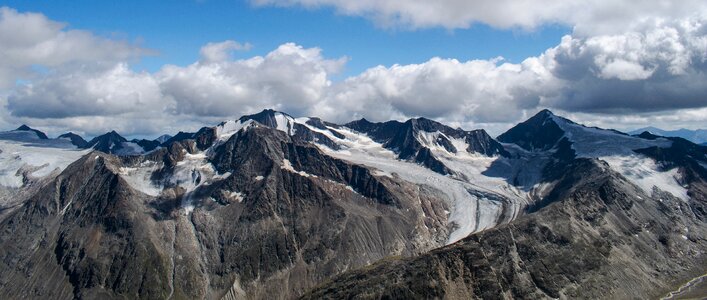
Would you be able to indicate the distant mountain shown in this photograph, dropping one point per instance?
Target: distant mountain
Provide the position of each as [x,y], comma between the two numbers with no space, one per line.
[40,134]
[163,138]
[75,139]
[698,136]
[269,206]
[415,139]
[114,143]
[147,145]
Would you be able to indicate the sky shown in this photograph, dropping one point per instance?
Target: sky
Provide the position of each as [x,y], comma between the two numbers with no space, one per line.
[145,68]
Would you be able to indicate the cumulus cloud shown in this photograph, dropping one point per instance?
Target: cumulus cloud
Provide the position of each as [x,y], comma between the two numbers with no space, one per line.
[661,68]
[85,92]
[439,88]
[290,78]
[30,39]
[597,17]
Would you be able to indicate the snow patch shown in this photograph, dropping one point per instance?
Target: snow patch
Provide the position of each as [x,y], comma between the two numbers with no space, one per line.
[618,151]
[139,178]
[596,142]
[226,129]
[286,165]
[128,148]
[238,196]
[285,123]
[382,174]
[191,173]
[645,173]
[429,140]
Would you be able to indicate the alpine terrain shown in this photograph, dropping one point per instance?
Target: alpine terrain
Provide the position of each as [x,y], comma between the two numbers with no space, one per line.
[269,206]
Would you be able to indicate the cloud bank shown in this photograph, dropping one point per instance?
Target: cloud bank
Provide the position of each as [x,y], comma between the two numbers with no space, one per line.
[588,17]
[653,71]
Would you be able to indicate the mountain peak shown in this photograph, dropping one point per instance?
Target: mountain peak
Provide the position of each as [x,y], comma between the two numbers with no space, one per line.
[40,134]
[75,139]
[163,138]
[535,133]
[545,112]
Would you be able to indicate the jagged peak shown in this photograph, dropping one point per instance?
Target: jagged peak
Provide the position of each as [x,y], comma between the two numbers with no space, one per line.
[111,135]
[24,127]
[114,134]
[545,112]
[268,112]
[40,134]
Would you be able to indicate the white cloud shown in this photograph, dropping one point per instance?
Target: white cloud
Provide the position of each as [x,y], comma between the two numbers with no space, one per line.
[217,52]
[30,39]
[596,17]
[485,91]
[84,92]
[290,78]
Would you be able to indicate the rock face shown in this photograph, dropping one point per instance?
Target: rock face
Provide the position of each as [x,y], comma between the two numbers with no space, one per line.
[40,135]
[75,139]
[601,237]
[147,145]
[108,143]
[274,207]
[412,140]
[280,214]
[537,133]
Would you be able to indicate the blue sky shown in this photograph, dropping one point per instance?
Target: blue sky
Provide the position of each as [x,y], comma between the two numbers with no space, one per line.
[179,29]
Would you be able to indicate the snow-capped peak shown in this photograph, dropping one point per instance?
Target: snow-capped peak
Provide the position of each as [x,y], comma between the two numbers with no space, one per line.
[163,138]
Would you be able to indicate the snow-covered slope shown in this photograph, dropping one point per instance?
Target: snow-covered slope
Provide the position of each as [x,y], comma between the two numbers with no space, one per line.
[478,200]
[485,182]
[163,138]
[618,150]
[479,190]
[23,155]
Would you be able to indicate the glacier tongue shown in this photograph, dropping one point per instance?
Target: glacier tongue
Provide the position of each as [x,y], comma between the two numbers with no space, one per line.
[476,203]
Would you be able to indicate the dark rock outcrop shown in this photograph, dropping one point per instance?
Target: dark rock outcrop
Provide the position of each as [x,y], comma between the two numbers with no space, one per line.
[147,145]
[300,217]
[40,135]
[537,133]
[75,139]
[108,143]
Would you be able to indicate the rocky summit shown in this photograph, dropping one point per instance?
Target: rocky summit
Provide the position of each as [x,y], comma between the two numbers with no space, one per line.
[269,206]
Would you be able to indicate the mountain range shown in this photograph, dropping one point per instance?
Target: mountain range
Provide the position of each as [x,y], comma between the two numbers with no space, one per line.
[698,136]
[269,206]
